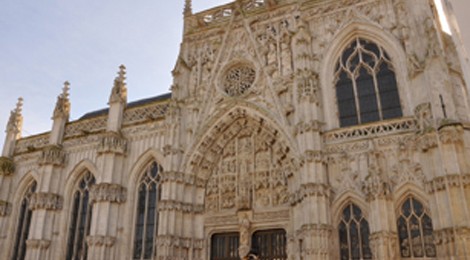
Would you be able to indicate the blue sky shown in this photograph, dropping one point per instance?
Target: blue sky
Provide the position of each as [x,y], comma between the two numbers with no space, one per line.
[44,43]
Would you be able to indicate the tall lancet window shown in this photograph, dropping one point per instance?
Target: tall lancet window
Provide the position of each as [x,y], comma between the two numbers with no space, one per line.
[24,221]
[366,86]
[415,231]
[354,234]
[80,218]
[146,221]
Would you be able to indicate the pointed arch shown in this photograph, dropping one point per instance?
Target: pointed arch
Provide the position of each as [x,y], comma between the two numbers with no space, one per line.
[359,28]
[142,161]
[409,189]
[19,228]
[346,198]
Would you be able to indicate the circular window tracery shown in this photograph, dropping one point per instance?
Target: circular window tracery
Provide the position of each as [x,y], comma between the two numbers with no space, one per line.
[238,79]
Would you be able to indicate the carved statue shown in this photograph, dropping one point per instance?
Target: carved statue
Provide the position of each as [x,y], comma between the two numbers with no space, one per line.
[245,241]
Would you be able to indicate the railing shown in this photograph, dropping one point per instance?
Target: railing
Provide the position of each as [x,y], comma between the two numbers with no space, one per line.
[381,128]
[222,12]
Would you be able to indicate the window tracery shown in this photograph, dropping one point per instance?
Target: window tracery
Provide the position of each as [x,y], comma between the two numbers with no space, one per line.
[366,85]
[24,222]
[79,227]
[146,223]
[238,79]
[354,234]
[415,231]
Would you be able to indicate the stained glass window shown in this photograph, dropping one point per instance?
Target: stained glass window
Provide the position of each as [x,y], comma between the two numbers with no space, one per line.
[366,86]
[24,222]
[354,234]
[79,227]
[415,231]
[146,222]
[225,246]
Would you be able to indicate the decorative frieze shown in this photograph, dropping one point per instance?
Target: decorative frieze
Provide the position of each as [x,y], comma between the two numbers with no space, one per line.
[444,236]
[112,142]
[310,190]
[5,208]
[7,166]
[313,156]
[320,237]
[171,150]
[41,244]
[451,181]
[221,220]
[108,192]
[170,205]
[100,241]
[271,215]
[384,244]
[46,201]
[52,155]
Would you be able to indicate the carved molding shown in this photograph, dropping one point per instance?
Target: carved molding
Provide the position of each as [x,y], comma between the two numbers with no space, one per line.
[41,244]
[52,155]
[108,192]
[310,190]
[171,205]
[427,141]
[7,166]
[221,220]
[47,201]
[272,215]
[100,241]
[311,126]
[452,181]
[321,235]
[5,208]
[181,177]
[451,134]
[171,150]
[313,156]
[112,142]
[179,242]
[384,243]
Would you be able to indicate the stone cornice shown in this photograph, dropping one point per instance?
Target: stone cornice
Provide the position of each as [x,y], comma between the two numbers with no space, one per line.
[108,192]
[47,201]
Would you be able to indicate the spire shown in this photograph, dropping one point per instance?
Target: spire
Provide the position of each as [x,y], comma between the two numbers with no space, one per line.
[16,119]
[119,91]
[187,8]
[62,106]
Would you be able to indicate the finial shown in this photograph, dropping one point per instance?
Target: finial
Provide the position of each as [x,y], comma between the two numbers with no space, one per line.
[65,89]
[62,106]
[119,91]
[16,119]
[187,7]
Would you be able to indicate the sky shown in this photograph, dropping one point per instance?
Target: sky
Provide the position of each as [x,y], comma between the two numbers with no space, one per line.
[44,43]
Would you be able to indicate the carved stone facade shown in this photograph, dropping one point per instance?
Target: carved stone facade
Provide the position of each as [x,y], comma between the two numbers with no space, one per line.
[249,145]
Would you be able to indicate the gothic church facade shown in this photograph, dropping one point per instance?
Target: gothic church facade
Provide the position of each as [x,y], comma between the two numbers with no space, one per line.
[295,129]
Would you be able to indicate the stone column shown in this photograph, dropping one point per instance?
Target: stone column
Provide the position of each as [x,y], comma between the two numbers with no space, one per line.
[7,170]
[451,192]
[46,201]
[108,192]
[311,191]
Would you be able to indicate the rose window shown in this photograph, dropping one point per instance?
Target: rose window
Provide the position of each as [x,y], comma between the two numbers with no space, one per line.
[237,80]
